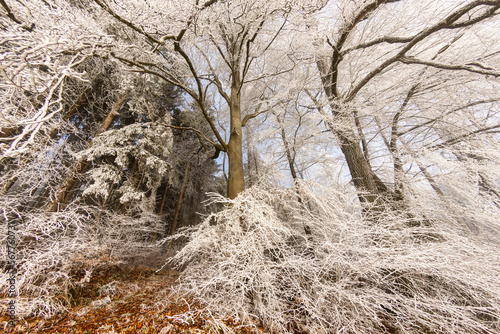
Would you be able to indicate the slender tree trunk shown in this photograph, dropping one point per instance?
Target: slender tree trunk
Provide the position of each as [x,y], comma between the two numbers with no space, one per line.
[289,156]
[197,204]
[163,199]
[291,163]
[236,181]
[486,187]
[72,177]
[179,201]
[424,171]
[190,212]
[183,220]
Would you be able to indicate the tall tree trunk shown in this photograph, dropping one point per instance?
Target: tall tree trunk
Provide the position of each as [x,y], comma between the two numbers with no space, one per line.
[61,197]
[197,202]
[179,201]
[291,163]
[236,181]
[164,197]
[369,187]
[362,175]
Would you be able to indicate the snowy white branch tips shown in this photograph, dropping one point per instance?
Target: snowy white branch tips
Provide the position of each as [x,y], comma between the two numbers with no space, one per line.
[353,146]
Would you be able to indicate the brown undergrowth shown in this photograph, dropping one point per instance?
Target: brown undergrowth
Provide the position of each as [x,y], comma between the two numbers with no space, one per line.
[121,299]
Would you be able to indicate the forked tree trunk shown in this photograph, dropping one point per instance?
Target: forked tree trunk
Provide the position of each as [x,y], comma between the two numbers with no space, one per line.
[61,197]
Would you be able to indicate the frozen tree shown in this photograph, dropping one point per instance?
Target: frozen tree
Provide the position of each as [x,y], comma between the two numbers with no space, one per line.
[374,66]
[213,62]
[100,154]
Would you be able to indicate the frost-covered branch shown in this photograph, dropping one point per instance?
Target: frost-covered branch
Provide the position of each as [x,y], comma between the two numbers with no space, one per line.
[473,68]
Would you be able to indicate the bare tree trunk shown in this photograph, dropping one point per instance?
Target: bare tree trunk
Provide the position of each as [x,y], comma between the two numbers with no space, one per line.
[361,172]
[236,181]
[163,199]
[197,204]
[72,177]
[289,156]
[363,177]
[184,221]
[179,201]
[486,187]
[291,163]
[424,171]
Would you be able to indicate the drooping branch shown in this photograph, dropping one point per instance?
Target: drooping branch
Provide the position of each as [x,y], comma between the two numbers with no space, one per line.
[434,120]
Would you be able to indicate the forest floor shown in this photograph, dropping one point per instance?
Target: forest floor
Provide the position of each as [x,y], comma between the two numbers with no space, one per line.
[124,299]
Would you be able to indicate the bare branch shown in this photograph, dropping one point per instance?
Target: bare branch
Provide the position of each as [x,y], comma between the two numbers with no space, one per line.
[11,15]
[468,68]
[445,23]
[458,139]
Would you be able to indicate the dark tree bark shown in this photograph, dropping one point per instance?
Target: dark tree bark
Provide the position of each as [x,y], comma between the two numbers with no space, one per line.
[179,201]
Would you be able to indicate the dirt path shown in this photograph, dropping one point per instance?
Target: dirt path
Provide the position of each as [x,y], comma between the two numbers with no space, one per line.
[133,301]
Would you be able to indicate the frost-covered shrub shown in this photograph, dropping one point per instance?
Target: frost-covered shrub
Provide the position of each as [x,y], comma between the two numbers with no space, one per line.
[253,261]
[58,252]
